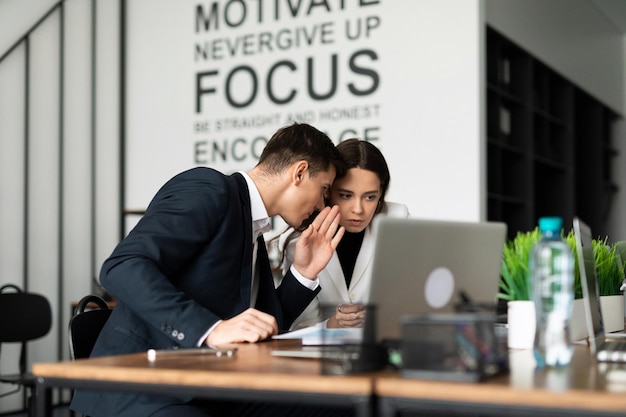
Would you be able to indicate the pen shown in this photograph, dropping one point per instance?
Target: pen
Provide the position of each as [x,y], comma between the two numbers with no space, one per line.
[153,353]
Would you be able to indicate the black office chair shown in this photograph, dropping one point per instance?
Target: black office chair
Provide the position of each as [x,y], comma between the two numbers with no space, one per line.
[86,324]
[24,317]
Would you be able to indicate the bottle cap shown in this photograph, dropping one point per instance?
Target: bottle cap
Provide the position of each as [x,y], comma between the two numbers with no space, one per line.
[552,224]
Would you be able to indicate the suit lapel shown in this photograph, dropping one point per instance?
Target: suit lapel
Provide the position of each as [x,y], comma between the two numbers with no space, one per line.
[334,276]
[245,278]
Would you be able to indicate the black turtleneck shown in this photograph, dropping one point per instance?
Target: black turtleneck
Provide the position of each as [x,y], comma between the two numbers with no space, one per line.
[347,251]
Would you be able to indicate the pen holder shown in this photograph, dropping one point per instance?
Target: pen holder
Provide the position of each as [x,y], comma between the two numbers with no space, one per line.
[458,347]
[351,349]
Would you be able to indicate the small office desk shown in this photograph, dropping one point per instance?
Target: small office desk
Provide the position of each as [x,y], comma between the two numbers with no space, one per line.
[251,374]
[581,389]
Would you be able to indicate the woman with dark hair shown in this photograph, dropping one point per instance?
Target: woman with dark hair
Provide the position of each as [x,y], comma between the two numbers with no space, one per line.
[360,196]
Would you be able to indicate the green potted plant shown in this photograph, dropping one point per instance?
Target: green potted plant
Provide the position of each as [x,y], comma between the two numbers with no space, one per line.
[610,270]
[610,274]
[609,266]
[515,289]
[514,283]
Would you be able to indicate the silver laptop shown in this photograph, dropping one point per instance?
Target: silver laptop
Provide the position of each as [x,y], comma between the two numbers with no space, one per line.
[607,348]
[423,266]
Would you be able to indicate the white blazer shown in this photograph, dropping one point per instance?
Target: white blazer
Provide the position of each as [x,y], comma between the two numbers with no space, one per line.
[332,280]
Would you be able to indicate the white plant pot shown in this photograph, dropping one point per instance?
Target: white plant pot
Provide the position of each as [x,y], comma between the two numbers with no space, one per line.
[612,312]
[522,365]
[578,322]
[612,307]
[521,324]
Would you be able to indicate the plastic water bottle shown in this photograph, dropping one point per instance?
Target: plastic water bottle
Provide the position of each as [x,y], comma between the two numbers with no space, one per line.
[552,290]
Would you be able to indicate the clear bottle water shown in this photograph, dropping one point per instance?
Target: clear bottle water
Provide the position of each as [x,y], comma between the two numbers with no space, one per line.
[552,289]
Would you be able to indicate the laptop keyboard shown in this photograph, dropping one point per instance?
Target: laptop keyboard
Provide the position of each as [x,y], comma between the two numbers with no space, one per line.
[612,351]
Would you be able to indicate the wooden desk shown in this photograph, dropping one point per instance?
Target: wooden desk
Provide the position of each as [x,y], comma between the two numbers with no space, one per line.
[251,374]
[580,389]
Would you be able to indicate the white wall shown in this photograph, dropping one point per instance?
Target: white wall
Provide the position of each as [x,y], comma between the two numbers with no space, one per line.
[44,176]
[429,103]
[11,210]
[437,160]
[60,152]
[107,132]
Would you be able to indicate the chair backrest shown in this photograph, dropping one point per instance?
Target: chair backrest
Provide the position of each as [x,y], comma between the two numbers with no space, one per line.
[86,324]
[25,316]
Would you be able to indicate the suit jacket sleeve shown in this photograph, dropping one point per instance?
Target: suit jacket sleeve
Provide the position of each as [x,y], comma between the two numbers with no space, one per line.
[147,271]
[288,300]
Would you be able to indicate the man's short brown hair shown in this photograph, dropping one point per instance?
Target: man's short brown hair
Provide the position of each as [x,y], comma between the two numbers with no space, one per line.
[299,142]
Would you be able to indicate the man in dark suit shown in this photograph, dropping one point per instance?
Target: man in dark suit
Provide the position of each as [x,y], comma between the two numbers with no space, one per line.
[195,271]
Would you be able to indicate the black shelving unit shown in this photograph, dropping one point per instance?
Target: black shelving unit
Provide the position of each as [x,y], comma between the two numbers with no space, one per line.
[548,143]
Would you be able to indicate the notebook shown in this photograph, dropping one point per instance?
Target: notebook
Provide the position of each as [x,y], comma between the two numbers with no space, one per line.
[607,348]
[424,266]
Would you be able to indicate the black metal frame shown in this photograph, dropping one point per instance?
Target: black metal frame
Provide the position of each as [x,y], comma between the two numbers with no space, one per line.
[395,406]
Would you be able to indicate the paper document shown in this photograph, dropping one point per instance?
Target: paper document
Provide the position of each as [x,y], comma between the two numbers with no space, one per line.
[319,335]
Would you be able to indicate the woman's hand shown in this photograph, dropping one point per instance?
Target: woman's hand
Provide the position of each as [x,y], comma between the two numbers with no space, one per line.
[347,315]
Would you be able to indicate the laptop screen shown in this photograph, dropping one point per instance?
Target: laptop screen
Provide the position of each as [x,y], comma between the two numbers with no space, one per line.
[424,266]
[589,283]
